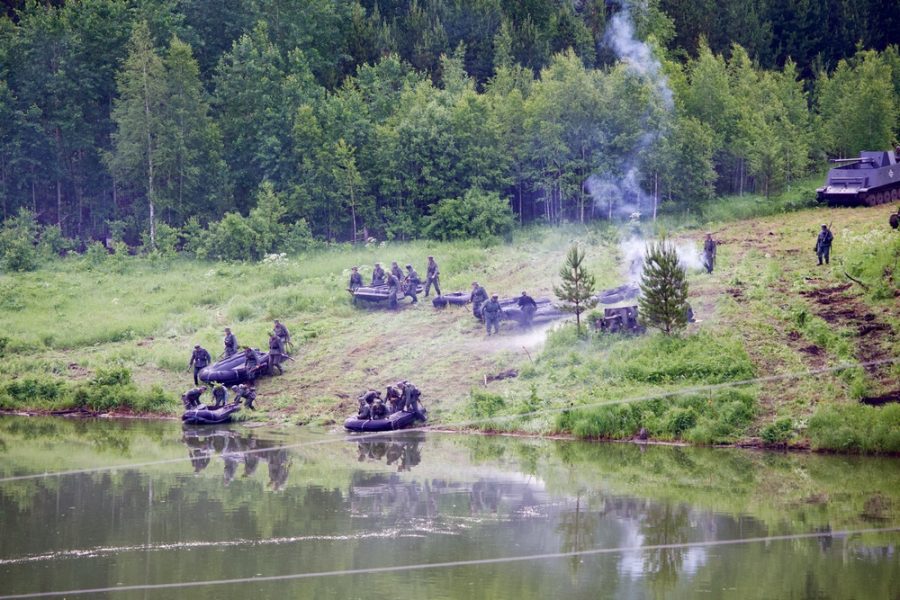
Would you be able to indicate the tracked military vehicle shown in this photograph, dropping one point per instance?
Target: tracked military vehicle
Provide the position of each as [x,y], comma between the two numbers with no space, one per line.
[870,179]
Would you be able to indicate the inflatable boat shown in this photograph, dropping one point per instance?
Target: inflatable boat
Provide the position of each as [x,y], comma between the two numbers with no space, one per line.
[232,371]
[398,420]
[210,416]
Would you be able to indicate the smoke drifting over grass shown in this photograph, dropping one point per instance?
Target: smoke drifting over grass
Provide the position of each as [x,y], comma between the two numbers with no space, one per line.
[634,248]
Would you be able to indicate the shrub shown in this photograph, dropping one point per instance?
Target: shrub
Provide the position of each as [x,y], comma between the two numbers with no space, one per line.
[17,242]
[856,428]
[479,215]
[664,289]
[778,432]
[484,404]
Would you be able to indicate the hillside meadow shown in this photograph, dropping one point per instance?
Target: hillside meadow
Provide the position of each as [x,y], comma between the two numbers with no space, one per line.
[764,363]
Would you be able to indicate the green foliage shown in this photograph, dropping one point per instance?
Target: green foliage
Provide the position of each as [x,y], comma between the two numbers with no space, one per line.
[577,286]
[17,242]
[778,432]
[664,289]
[477,215]
[484,404]
[856,428]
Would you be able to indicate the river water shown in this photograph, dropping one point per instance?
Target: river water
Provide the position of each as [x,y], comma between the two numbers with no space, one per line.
[135,509]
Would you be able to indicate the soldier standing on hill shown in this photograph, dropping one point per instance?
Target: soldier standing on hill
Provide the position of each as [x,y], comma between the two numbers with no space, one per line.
[492,311]
[276,353]
[477,298]
[230,343]
[709,253]
[200,358]
[282,333]
[823,244]
[377,275]
[432,277]
[355,279]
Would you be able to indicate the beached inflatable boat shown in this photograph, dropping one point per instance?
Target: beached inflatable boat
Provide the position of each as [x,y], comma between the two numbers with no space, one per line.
[210,416]
[398,420]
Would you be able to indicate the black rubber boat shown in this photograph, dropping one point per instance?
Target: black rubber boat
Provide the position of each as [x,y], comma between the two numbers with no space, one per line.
[232,370]
[399,420]
[210,416]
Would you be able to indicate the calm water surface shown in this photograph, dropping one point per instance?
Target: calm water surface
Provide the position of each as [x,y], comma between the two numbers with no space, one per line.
[161,505]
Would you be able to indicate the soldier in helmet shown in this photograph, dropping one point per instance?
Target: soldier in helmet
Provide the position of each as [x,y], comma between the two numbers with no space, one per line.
[191,398]
[356,280]
[200,358]
[492,311]
[219,395]
[282,333]
[709,252]
[379,410]
[378,275]
[394,397]
[276,353]
[230,343]
[528,306]
[393,290]
[823,244]
[432,277]
[477,298]
[411,282]
[245,392]
[396,271]
[250,363]
[410,400]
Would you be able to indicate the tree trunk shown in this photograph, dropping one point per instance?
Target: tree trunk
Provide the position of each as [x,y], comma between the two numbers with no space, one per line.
[353,213]
[655,194]
[149,162]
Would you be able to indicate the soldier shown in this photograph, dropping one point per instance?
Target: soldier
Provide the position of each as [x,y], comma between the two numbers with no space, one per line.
[432,277]
[245,392]
[283,334]
[412,282]
[191,398]
[528,306]
[250,363]
[230,343]
[379,410]
[709,252]
[477,298]
[410,400]
[200,358]
[369,396]
[393,397]
[823,244]
[492,311]
[355,279]
[393,289]
[276,353]
[377,275]
[365,411]
[219,395]
[396,271]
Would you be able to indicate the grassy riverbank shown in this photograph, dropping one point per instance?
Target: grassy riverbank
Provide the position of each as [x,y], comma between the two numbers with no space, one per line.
[74,331]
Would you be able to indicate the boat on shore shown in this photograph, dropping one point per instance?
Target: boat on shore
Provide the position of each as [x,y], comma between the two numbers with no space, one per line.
[398,420]
[210,416]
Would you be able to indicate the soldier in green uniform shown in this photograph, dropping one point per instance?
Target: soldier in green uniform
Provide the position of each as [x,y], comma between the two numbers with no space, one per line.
[230,343]
[282,333]
[276,353]
[191,398]
[245,392]
[377,275]
[709,253]
[528,306]
[250,363]
[823,244]
[396,271]
[411,283]
[393,397]
[393,290]
[219,395]
[432,277]
[356,280]
[477,298]
[379,410]
[200,358]
[492,311]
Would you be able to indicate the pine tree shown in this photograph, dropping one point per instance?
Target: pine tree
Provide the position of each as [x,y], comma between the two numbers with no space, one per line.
[577,285]
[664,289]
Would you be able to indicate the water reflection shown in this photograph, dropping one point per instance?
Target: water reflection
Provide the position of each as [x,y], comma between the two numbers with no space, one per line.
[235,449]
[401,450]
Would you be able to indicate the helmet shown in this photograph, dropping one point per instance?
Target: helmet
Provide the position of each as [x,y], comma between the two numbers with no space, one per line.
[409,266]
[494,296]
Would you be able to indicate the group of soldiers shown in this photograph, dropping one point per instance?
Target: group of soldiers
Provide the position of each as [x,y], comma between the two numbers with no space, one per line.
[489,311]
[402,396]
[279,340]
[400,284]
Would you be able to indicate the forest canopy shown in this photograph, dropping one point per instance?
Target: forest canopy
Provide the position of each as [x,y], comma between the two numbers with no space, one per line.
[392,119]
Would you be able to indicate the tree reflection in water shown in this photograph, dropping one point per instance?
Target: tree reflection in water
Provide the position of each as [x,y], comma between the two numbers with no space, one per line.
[237,448]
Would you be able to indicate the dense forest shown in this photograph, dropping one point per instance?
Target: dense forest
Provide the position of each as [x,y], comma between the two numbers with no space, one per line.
[254,125]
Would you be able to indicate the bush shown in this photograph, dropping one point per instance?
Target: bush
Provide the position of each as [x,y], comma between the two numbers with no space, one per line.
[484,404]
[477,215]
[856,428]
[777,433]
[18,251]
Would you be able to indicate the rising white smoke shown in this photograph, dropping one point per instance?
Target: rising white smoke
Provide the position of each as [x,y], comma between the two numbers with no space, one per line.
[634,249]
[617,195]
